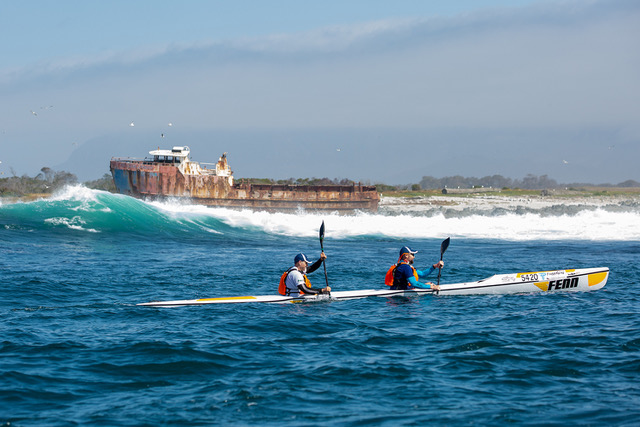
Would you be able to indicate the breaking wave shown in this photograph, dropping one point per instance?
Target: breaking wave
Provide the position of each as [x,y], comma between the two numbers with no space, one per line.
[81,210]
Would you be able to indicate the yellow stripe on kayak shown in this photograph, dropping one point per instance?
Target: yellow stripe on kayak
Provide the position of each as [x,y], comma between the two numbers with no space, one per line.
[225,298]
[597,278]
[544,286]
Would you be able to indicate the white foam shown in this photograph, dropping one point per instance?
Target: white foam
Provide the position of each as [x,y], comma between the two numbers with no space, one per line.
[404,218]
[597,224]
[76,192]
[75,223]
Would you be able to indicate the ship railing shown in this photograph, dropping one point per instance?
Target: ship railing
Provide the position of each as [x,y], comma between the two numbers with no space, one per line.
[128,159]
[144,161]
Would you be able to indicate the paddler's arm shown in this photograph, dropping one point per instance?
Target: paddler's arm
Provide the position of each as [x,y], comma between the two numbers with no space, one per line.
[413,282]
[313,267]
[438,264]
[301,284]
[312,291]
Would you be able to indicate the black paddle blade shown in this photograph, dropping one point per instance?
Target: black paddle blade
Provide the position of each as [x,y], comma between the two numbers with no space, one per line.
[444,246]
[322,231]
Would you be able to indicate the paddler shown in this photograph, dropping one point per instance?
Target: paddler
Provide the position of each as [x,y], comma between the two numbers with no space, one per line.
[404,275]
[296,282]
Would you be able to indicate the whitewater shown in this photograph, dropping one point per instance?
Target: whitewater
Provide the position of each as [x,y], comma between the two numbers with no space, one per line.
[76,350]
[477,218]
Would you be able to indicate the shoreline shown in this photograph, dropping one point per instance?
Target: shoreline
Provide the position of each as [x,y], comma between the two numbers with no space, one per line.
[26,198]
[481,200]
[510,202]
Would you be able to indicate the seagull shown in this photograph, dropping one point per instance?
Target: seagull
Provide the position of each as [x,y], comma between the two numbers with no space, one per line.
[170,124]
[34,113]
[131,124]
[162,135]
[565,162]
[337,149]
[611,147]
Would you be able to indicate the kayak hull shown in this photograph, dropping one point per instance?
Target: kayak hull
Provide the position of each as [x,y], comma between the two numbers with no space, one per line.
[570,280]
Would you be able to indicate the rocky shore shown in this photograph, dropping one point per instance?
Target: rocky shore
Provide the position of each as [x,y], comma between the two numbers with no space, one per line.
[493,202]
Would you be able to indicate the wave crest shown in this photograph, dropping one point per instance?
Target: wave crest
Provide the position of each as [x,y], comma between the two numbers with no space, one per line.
[84,210]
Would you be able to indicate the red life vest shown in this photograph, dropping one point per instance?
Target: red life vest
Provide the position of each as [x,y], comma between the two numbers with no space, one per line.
[282,287]
[388,278]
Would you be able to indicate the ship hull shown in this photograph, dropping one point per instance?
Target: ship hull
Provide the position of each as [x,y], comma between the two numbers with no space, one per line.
[151,180]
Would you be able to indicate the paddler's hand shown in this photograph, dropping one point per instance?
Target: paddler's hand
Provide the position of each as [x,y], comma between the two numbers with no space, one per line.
[433,286]
[327,289]
[323,256]
[438,264]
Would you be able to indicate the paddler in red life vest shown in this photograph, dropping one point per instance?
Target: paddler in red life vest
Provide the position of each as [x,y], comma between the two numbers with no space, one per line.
[296,282]
[404,275]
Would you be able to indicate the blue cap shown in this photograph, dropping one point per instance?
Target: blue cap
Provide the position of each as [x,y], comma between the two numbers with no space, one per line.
[300,257]
[406,250]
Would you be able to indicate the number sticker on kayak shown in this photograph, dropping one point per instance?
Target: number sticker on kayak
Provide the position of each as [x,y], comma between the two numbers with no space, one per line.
[539,276]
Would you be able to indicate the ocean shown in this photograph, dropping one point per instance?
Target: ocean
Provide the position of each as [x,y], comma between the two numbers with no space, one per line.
[76,350]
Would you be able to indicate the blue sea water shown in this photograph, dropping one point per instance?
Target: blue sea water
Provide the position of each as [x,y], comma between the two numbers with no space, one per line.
[76,350]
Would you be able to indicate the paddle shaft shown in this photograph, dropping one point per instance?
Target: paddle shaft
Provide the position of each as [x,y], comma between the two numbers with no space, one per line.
[326,279]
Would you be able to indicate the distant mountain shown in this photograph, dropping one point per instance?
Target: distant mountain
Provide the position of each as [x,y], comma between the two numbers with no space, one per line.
[629,183]
[91,159]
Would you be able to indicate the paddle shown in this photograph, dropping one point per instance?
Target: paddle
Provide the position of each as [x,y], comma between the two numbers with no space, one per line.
[326,279]
[443,247]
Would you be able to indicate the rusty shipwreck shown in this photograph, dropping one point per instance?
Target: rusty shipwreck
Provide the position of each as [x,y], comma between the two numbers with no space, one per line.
[171,174]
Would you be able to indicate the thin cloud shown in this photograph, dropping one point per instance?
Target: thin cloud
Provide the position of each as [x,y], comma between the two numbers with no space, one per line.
[375,36]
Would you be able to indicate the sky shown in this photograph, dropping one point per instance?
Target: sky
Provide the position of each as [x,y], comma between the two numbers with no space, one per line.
[378,91]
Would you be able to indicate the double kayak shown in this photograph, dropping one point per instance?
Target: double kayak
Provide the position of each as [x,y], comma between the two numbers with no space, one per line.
[576,280]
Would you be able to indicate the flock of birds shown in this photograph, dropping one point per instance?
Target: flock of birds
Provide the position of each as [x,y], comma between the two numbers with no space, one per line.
[170,124]
[42,108]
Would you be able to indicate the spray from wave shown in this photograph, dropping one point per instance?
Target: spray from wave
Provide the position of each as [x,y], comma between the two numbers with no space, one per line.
[79,209]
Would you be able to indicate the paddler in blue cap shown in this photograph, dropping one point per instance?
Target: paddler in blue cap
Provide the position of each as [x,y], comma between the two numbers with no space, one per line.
[294,281]
[404,275]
